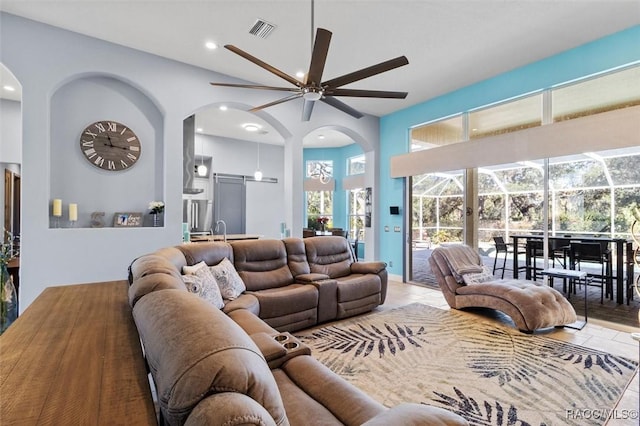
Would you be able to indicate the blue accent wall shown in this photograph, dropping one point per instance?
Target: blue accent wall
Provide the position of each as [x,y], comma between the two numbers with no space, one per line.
[616,50]
[339,157]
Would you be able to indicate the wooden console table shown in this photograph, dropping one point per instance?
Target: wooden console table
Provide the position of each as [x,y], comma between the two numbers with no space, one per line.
[74,357]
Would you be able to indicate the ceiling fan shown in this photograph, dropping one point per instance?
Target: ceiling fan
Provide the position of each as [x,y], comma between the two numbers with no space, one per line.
[313,89]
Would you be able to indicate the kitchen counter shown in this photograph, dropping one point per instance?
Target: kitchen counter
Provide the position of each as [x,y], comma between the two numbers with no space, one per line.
[230,237]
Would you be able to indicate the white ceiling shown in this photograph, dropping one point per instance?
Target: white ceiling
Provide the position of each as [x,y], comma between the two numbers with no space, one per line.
[450,44]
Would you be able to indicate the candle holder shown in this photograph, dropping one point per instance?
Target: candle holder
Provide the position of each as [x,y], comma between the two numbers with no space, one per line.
[72,223]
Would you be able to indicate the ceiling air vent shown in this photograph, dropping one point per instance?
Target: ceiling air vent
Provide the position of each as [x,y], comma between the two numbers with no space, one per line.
[262,28]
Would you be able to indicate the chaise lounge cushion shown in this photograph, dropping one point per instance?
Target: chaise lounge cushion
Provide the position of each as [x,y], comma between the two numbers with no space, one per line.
[530,305]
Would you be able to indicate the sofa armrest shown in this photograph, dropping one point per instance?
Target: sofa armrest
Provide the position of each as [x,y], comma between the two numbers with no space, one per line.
[244,301]
[270,348]
[311,278]
[327,298]
[231,408]
[367,267]
[416,415]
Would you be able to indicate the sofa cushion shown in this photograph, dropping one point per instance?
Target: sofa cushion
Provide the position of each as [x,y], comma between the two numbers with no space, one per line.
[210,253]
[262,264]
[152,264]
[230,283]
[351,407]
[296,256]
[276,302]
[230,409]
[357,286]
[329,255]
[194,350]
[154,282]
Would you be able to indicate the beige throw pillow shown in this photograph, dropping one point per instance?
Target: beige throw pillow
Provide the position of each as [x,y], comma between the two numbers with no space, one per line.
[199,280]
[230,283]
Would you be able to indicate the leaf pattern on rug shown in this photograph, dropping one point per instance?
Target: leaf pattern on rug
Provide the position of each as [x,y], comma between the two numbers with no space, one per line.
[364,340]
[488,372]
[481,413]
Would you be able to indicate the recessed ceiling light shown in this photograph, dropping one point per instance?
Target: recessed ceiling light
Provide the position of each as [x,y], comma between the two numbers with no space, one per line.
[223,107]
[251,127]
[320,136]
[211,45]
[199,130]
[9,88]
[300,74]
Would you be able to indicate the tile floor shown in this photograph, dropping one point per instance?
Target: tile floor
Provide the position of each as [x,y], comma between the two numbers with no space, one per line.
[597,334]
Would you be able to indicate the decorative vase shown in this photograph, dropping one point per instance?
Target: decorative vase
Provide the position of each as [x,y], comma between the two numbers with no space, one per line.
[8,299]
[322,227]
[156,220]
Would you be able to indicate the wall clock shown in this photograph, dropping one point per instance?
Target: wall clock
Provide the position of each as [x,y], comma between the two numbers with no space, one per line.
[110,145]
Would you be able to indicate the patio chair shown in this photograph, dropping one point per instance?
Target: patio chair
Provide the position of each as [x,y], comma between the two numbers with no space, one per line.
[531,306]
[600,254]
[504,248]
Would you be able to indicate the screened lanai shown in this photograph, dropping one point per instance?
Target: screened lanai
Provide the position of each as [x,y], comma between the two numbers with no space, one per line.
[589,195]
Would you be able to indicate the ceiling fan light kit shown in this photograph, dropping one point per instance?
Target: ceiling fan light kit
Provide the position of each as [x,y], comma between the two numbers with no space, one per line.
[313,89]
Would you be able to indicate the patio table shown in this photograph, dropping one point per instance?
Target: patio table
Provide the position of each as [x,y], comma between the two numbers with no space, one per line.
[624,257]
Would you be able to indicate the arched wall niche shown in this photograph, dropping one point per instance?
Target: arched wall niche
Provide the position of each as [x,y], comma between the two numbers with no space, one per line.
[10,155]
[84,99]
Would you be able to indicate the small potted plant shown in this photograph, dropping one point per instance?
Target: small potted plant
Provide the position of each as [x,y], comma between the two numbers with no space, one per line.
[156,208]
[323,222]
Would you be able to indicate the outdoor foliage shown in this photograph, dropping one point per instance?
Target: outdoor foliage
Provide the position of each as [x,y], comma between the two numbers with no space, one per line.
[581,191]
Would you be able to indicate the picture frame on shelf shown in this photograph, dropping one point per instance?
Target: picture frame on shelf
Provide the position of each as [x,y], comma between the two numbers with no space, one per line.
[127,219]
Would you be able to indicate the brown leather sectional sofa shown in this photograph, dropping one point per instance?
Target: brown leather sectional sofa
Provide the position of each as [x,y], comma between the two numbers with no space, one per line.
[240,365]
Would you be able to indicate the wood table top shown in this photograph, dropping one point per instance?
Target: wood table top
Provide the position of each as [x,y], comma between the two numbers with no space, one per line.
[74,357]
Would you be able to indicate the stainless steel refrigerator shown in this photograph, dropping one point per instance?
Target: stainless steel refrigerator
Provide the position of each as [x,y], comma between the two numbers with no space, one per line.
[198,214]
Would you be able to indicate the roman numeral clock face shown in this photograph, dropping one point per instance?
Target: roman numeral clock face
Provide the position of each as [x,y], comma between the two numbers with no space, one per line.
[110,145]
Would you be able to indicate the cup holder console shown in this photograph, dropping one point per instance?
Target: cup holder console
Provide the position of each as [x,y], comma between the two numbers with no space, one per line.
[289,342]
[291,345]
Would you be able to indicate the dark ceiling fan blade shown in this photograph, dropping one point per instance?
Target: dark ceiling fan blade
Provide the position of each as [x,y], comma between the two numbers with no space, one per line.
[366,72]
[307,109]
[341,106]
[279,101]
[253,86]
[366,93]
[319,56]
[264,65]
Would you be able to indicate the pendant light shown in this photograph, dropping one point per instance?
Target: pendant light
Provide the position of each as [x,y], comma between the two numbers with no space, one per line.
[202,169]
[258,173]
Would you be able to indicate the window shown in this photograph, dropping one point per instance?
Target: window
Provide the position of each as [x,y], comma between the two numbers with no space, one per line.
[356,213]
[320,169]
[356,165]
[442,132]
[604,93]
[319,204]
[507,117]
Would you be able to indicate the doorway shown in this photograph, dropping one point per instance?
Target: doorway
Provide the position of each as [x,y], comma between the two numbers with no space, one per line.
[229,203]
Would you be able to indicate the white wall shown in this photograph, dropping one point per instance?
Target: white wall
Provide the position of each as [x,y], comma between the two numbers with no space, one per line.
[10,132]
[45,59]
[264,201]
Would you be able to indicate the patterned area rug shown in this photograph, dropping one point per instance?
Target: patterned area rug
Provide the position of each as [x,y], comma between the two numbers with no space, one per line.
[486,372]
